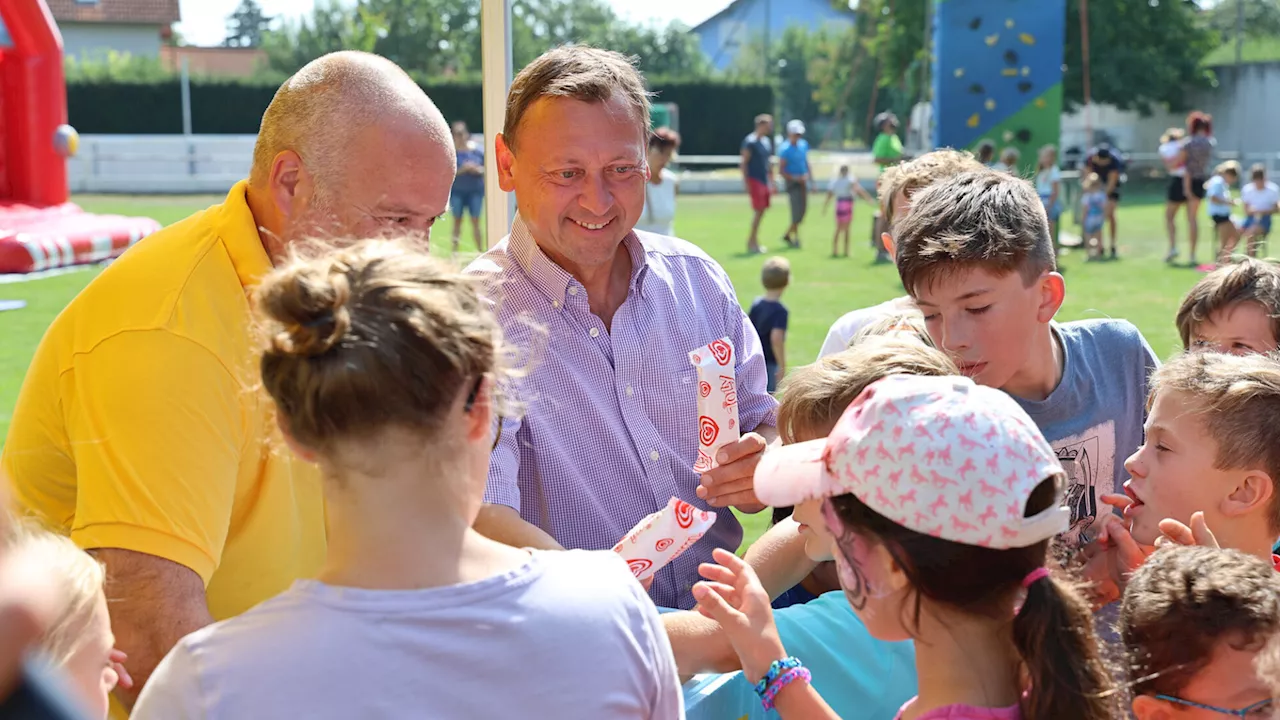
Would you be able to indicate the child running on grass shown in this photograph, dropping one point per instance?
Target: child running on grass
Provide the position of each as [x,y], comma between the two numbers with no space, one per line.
[843,188]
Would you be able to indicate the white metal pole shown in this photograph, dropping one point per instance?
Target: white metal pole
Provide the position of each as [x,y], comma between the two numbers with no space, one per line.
[495,51]
[186,98]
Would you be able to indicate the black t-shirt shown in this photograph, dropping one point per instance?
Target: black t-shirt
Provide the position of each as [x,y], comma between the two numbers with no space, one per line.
[1104,169]
[766,315]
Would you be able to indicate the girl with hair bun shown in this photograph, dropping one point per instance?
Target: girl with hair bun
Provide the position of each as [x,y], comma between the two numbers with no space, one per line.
[383,365]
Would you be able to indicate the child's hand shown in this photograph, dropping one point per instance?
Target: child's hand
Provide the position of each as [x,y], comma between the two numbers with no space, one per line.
[118,659]
[734,598]
[1110,559]
[1175,533]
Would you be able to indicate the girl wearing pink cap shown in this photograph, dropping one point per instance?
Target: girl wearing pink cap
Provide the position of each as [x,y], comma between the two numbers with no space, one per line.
[943,497]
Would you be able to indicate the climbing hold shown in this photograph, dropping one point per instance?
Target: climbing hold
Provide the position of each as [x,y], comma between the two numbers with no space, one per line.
[1023,135]
[1027,38]
[977,89]
[973,120]
[959,72]
[1024,86]
[1008,23]
[975,23]
[1009,72]
[1010,57]
[1025,71]
[1008,136]
[993,39]
[990,105]
[1040,103]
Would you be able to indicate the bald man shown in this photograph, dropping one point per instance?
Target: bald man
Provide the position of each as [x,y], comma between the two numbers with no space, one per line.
[139,430]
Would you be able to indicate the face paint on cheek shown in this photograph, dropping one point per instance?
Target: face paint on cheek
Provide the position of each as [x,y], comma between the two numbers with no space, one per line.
[853,558]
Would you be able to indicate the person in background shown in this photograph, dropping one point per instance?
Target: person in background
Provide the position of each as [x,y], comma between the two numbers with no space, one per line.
[1197,156]
[1049,188]
[384,366]
[80,641]
[1260,199]
[757,175]
[793,161]
[1175,163]
[769,316]
[843,187]
[1009,160]
[1107,164]
[659,215]
[1234,309]
[467,194]
[986,153]
[1218,191]
[1093,206]
[172,476]
[887,151]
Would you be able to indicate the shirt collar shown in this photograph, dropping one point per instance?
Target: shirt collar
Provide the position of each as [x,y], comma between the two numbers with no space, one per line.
[238,230]
[554,281]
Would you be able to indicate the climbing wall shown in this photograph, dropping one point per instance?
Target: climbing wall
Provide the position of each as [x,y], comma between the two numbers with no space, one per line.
[997,73]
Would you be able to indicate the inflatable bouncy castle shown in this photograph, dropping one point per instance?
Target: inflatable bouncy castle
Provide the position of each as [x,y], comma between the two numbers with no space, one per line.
[39,228]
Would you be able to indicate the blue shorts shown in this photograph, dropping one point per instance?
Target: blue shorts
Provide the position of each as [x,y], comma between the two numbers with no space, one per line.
[1264,223]
[470,202]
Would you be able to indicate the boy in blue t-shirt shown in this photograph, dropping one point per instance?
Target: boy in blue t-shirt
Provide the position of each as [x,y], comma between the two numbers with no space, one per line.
[769,316]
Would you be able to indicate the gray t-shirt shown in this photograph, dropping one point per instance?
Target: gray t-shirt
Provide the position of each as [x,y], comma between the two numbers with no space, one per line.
[568,634]
[1094,418]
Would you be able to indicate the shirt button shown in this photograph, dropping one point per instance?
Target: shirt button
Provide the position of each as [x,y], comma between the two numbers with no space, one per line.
[654,456]
[595,332]
[555,303]
[573,291]
[630,392]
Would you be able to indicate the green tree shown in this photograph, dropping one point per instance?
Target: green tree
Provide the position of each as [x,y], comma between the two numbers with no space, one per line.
[330,28]
[1142,54]
[1261,18]
[246,26]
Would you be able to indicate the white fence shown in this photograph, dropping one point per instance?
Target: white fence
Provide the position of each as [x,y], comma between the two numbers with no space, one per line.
[145,164]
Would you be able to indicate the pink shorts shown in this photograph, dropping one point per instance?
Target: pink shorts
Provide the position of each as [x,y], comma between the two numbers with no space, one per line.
[844,210]
[759,194]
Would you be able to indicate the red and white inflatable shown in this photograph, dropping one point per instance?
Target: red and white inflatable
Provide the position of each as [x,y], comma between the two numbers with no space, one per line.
[39,229]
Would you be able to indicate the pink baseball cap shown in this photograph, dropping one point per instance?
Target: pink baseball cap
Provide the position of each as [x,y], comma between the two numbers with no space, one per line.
[938,455]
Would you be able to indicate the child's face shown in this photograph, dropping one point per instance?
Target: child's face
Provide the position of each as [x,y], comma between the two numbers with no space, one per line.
[1172,472]
[1239,329]
[987,322]
[817,539]
[1230,682]
[872,584]
[89,671]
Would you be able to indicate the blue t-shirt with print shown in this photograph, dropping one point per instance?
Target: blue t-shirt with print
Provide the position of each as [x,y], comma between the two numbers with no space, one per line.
[858,675]
[758,148]
[1093,420]
[794,157]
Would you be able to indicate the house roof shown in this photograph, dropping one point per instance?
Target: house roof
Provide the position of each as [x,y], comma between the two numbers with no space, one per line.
[725,10]
[141,12]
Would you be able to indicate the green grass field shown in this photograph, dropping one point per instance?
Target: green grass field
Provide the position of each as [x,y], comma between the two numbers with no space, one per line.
[1139,286]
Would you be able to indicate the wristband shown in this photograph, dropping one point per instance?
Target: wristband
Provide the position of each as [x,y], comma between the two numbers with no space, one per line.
[785,679]
[778,667]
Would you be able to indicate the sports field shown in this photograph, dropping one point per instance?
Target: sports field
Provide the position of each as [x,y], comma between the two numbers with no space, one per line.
[1139,286]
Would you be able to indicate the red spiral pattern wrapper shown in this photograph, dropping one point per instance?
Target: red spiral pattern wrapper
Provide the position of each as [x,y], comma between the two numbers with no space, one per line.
[661,537]
[663,544]
[684,514]
[722,351]
[717,401]
[704,389]
[708,431]
[638,566]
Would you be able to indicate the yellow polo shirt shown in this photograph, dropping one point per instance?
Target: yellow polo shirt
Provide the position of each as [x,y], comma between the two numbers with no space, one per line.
[141,424]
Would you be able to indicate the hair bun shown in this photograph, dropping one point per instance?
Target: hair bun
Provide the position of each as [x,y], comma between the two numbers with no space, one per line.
[310,306]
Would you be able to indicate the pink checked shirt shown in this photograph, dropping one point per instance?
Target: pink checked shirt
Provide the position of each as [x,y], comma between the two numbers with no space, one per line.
[610,426]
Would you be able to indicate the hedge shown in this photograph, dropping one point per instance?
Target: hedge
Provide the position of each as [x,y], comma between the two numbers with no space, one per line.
[714,116]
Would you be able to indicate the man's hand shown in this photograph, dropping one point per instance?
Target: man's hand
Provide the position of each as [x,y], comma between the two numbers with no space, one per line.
[732,482]
[155,603]
[1175,533]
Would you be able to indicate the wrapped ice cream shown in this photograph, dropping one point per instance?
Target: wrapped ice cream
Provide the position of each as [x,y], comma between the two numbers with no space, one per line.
[663,536]
[717,400]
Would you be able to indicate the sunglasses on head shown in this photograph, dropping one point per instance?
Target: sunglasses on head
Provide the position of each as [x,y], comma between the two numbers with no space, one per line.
[471,402]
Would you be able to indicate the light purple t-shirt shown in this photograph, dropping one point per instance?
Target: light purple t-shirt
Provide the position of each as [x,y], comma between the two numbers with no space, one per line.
[965,712]
[568,634]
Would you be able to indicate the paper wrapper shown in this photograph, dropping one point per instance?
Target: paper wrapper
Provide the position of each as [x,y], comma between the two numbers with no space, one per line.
[717,400]
[663,536]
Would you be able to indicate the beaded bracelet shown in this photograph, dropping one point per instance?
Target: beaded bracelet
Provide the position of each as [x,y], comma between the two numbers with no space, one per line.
[800,673]
[775,669]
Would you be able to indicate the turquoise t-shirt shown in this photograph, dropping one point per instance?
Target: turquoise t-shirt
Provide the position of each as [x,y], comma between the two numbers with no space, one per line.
[858,675]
